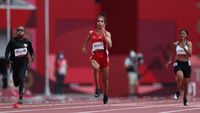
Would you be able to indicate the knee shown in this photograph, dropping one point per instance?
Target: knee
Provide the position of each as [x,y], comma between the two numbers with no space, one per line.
[106,81]
[96,68]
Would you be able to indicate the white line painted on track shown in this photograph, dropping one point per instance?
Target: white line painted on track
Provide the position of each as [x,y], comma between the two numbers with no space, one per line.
[180,110]
[129,108]
[46,105]
[91,106]
[114,103]
[49,109]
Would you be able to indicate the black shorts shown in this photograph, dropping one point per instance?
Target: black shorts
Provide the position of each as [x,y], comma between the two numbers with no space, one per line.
[184,66]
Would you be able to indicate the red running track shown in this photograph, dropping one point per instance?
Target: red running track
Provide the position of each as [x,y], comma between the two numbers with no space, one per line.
[89,104]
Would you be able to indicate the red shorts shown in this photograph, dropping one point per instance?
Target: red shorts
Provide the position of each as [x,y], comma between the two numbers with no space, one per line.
[101,59]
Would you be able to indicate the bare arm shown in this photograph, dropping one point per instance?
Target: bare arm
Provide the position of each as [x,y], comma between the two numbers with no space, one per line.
[189,51]
[107,36]
[84,51]
[172,53]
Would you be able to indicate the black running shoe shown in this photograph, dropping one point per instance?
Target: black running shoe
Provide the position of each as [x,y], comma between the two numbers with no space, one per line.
[185,102]
[105,99]
[176,96]
[97,93]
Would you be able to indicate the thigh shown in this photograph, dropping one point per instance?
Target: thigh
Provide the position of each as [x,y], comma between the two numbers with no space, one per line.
[23,70]
[94,64]
[187,71]
[179,74]
[15,69]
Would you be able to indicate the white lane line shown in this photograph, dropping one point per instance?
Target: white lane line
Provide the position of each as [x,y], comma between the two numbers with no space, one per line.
[140,107]
[180,110]
[129,108]
[44,104]
[49,109]
[90,106]
[114,103]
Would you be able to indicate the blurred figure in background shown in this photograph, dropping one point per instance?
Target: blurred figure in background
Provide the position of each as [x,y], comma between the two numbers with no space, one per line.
[131,64]
[192,88]
[101,41]
[16,55]
[60,72]
[182,51]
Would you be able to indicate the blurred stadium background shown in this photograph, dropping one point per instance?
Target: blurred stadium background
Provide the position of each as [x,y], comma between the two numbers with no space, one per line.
[146,26]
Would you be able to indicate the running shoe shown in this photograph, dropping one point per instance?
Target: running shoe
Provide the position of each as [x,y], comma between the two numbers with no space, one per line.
[185,102]
[97,93]
[176,96]
[20,100]
[105,99]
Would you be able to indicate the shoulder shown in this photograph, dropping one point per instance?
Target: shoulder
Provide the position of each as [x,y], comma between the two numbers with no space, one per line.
[91,32]
[175,43]
[26,40]
[12,40]
[108,34]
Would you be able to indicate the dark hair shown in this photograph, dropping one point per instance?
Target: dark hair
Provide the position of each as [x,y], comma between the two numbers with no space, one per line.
[185,31]
[104,15]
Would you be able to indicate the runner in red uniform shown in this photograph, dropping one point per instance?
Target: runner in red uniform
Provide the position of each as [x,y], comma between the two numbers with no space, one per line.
[101,41]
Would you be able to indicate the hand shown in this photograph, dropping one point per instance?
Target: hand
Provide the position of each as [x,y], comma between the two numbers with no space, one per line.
[167,64]
[104,32]
[84,51]
[33,59]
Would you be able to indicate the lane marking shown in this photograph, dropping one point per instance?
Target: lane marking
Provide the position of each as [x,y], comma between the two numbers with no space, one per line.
[92,106]
[180,110]
[97,102]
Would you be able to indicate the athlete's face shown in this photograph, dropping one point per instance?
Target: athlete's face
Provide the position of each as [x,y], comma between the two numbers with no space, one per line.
[100,23]
[20,31]
[183,34]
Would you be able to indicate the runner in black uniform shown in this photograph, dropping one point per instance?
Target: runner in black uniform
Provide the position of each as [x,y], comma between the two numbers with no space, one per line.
[16,55]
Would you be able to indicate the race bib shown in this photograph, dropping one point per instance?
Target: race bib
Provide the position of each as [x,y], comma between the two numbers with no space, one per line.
[97,46]
[20,52]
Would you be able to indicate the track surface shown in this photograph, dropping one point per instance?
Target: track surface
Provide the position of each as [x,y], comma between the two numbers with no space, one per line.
[89,104]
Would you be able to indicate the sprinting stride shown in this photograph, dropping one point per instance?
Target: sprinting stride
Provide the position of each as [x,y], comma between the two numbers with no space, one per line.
[16,55]
[101,41]
[181,50]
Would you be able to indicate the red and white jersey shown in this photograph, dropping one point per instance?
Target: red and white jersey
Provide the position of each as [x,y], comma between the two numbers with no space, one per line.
[98,43]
